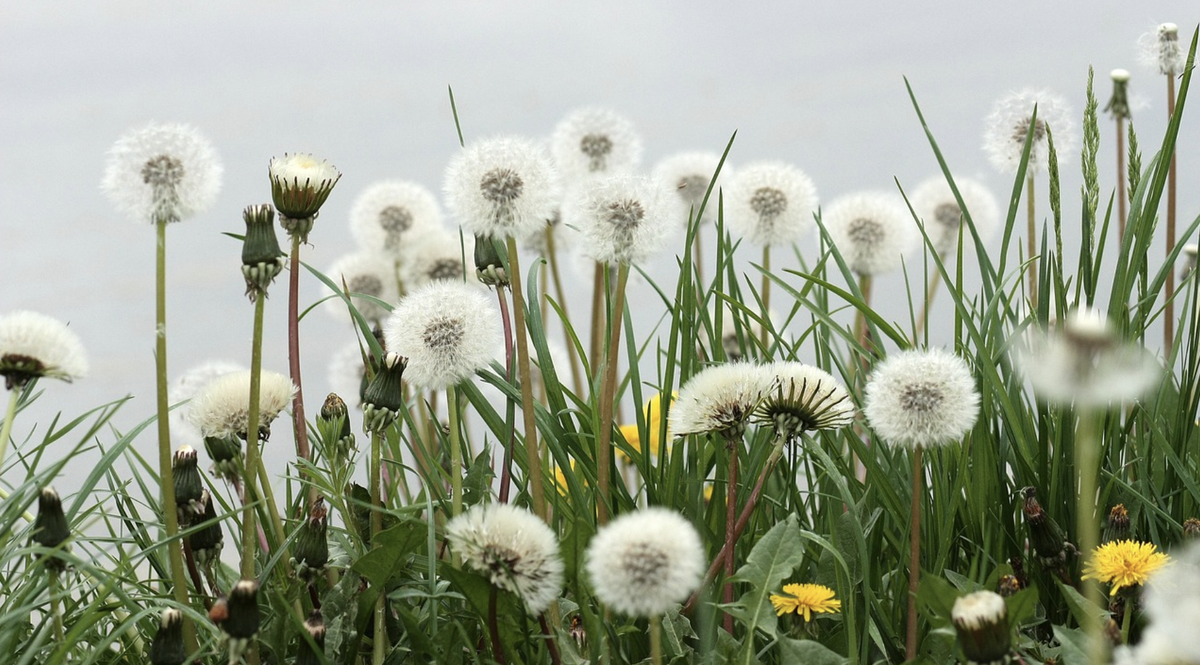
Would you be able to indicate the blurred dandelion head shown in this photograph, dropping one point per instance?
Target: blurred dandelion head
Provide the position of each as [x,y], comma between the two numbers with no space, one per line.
[720,399]
[1124,563]
[34,345]
[805,599]
[514,548]
[770,203]
[162,173]
[934,202]
[919,399]
[448,330]
[591,142]
[623,218]
[688,175]
[1171,602]
[167,648]
[644,562]
[435,256]
[872,231]
[502,187]
[221,408]
[1160,49]
[981,621]
[368,276]
[389,215]
[1009,124]
[805,399]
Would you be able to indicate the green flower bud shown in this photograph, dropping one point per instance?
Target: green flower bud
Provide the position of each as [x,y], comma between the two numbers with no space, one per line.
[312,544]
[1049,542]
[315,627]
[238,617]
[334,424]
[206,543]
[981,621]
[384,397]
[189,487]
[51,530]
[489,267]
[300,184]
[226,454]
[262,259]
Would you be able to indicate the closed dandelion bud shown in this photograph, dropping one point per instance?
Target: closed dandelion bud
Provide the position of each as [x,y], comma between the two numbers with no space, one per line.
[167,647]
[50,530]
[488,266]
[981,621]
[312,545]
[241,618]
[334,424]
[309,653]
[207,542]
[262,259]
[1191,528]
[1118,104]
[1049,543]
[189,488]
[1116,527]
[300,183]
[226,454]
[384,396]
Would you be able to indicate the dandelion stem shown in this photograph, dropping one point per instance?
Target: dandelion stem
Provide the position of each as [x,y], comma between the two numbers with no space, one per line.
[1032,242]
[456,461]
[55,608]
[914,554]
[732,444]
[494,627]
[766,296]
[930,292]
[272,508]
[1169,313]
[533,462]
[561,296]
[598,279]
[165,475]
[10,413]
[252,433]
[379,640]
[555,658]
[509,404]
[194,573]
[299,426]
[608,389]
[1087,458]
[656,638]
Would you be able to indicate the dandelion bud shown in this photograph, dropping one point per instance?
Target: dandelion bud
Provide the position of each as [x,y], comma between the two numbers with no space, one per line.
[1009,585]
[1191,528]
[167,647]
[488,266]
[262,259]
[334,424]
[981,620]
[1118,104]
[50,530]
[308,653]
[206,543]
[189,487]
[1116,527]
[312,545]
[226,454]
[1049,543]
[384,396]
[300,183]
[240,616]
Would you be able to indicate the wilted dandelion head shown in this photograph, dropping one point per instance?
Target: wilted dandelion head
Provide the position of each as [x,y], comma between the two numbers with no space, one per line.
[514,548]
[622,218]
[770,203]
[720,399]
[502,187]
[591,142]
[804,399]
[1160,49]
[1009,124]
[872,231]
[388,215]
[921,399]
[1124,563]
[222,407]
[162,173]
[364,274]
[688,175]
[34,345]
[434,257]
[644,562]
[934,202]
[448,330]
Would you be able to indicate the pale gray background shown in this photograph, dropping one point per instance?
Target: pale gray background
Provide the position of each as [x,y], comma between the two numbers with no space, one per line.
[364,84]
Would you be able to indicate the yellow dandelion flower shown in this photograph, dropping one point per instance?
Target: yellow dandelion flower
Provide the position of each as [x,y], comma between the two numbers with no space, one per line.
[1124,563]
[805,599]
[653,413]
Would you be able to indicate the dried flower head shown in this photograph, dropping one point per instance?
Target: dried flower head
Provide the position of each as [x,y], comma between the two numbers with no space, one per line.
[185,388]
[934,202]
[1009,122]
[1124,563]
[388,215]
[805,599]
[207,542]
[222,407]
[447,330]
[167,647]
[50,529]
[1160,49]
[162,173]
[514,548]
[34,345]
[300,184]
[436,256]
[644,562]
[981,621]
[688,174]
[594,141]
[370,278]
[502,187]
[770,203]
[921,399]
[719,399]
[189,486]
[622,218]
[871,230]
[805,399]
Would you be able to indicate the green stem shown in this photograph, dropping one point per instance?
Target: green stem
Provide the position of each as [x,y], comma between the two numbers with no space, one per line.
[1031,219]
[6,428]
[766,297]
[272,508]
[379,645]
[560,294]
[608,390]
[456,462]
[252,461]
[1087,458]
[1125,621]
[914,554]
[55,592]
[656,639]
[166,477]
[533,455]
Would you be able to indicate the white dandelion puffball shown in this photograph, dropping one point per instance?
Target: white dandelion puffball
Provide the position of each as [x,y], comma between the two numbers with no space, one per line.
[805,399]
[921,399]
[719,399]
[871,230]
[502,187]
[688,175]
[1008,125]
[162,173]
[448,330]
[644,562]
[622,218]
[1172,604]
[222,407]
[935,204]
[33,345]
[365,273]
[536,242]
[437,256]
[388,215]
[514,548]
[1159,49]
[185,388]
[592,142]
[770,203]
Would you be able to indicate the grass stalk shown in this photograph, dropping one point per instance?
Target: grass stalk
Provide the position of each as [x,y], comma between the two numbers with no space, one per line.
[533,455]
[456,461]
[607,396]
[1031,241]
[14,396]
[1169,294]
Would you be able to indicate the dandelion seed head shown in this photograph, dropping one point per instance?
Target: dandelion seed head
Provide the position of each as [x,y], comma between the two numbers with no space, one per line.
[770,203]
[720,399]
[436,256]
[34,345]
[688,175]
[921,399]
[644,562]
[934,202]
[185,388]
[622,218]
[502,187]
[1171,601]
[162,172]
[448,330]
[388,215]
[1009,123]
[592,142]
[367,274]
[514,548]
[872,231]
[1159,49]
[805,399]
[222,407]
[300,185]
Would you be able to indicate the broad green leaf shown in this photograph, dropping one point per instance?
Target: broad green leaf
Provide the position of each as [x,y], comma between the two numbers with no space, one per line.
[807,652]
[1081,608]
[1074,646]
[774,558]
[384,562]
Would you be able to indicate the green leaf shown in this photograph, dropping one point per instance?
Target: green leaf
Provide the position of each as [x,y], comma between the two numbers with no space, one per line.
[1082,608]
[392,547]
[935,598]
[774,557]
[1074,646]
[1021,606]
[509,611]
[807,652]
[676,629]
[341,613]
